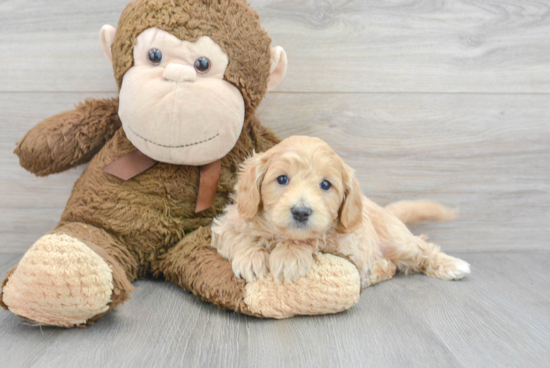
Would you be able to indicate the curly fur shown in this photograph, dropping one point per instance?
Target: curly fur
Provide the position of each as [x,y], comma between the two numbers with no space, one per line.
[259,233]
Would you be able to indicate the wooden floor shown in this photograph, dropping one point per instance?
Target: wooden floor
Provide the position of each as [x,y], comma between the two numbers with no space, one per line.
[498,317]
[441,99]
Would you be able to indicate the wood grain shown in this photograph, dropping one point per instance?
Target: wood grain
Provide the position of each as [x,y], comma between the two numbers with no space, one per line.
[25,216]
[487,155]
[498,316]
[381,330]
[440,99]
[333,45]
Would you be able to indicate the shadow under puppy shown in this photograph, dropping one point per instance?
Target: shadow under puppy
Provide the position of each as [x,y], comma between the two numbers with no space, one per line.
[299,198]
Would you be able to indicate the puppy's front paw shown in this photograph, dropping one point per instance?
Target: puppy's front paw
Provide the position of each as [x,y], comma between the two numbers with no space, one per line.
[250,263]
[290,262]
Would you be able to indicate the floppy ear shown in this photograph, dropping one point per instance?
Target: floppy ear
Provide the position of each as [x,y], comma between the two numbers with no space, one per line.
[248,188]
[351,211]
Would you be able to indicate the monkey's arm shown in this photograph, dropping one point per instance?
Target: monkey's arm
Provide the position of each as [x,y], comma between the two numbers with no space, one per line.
[70,138]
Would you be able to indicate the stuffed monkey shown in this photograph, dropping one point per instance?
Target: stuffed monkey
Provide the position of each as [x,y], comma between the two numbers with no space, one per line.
[163,159]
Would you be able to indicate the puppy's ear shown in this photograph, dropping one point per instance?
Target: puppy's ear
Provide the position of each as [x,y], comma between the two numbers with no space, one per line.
[248,188]
[351,211]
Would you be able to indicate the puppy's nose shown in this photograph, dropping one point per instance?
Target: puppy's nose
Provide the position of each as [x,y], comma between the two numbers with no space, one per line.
[301,214]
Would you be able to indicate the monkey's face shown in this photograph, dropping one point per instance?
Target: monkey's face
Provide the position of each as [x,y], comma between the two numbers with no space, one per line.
[188,73]
[175,105]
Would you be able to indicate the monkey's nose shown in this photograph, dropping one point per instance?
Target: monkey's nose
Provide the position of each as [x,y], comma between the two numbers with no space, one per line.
[179,73]
[301,214]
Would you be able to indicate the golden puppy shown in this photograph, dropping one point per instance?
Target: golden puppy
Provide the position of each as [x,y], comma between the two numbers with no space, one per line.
[299,198]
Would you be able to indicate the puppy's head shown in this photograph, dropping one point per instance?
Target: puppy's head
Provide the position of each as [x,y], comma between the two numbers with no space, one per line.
[301,187]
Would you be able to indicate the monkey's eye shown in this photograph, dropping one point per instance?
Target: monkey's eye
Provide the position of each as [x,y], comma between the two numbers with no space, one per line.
[325,185]
[202,65]
[283,180]
[154,56]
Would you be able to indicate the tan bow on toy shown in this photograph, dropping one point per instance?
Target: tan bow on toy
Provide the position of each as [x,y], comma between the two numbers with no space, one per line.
[134,163]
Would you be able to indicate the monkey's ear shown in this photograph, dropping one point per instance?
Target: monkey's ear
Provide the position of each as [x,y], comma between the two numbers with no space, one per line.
[278,67]
[107,37]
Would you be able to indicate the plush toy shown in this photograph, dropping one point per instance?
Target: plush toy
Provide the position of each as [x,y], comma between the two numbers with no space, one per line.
[163,160]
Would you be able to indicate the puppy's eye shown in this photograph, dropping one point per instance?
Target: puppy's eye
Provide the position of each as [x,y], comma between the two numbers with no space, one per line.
[283,180]
[154,56]
[325,185]
[202,65]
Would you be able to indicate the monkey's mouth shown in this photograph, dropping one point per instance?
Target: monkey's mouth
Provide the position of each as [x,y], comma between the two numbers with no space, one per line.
[180,146]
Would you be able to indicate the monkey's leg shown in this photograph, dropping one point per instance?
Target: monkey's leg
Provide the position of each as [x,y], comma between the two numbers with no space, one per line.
[331,286]
[70,277]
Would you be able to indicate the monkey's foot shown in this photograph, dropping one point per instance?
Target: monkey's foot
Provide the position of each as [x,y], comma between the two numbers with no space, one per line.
[59,282]
[332,285]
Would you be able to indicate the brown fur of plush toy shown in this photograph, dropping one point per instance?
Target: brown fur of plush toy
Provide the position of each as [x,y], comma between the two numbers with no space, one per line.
[113,232]
[70,138]
[232,24]
[147,225]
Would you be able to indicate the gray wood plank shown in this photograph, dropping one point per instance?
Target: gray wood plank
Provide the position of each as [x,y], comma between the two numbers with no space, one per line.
[380,331]
[498,316]
[485,154]
[161,326]
[7,261]
[22,345]
[488,155]
[25,220]
[346,46]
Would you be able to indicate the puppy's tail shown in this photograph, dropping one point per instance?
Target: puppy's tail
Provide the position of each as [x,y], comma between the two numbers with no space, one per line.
[414,212]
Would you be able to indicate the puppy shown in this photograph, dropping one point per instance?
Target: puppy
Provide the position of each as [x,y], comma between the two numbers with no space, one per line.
[300,198]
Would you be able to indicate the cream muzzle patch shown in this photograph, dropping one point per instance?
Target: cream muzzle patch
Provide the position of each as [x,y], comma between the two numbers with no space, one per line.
[175,106]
